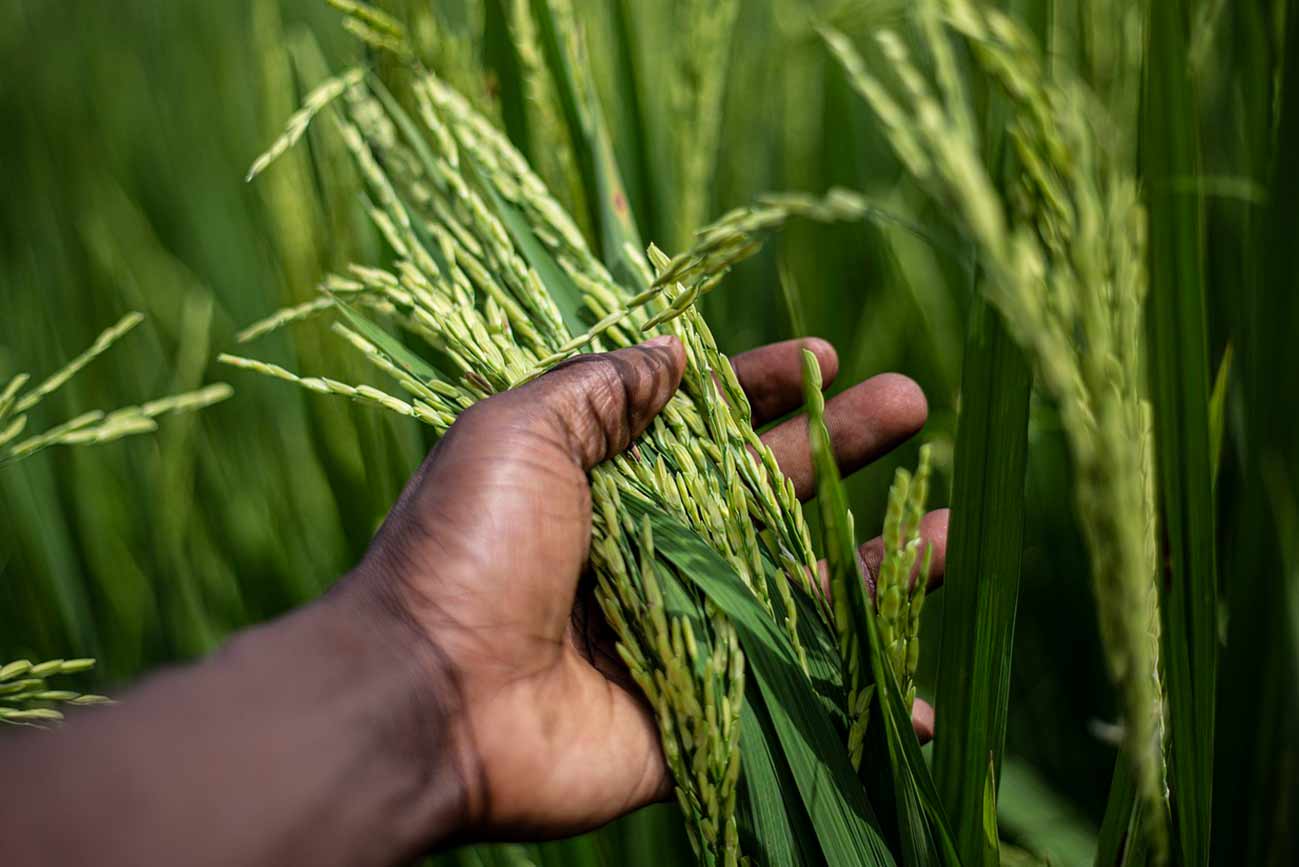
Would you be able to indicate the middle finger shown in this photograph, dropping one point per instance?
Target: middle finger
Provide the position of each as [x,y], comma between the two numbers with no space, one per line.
[865,422]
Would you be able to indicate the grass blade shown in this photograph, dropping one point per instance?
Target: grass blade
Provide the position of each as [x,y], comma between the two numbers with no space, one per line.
[780,829]
[1041,819]
[629,77]
[502,58]
[391,346]
[567,297]
[1218,412]
[1179,380]
[1121,828]
[981,584]
[985,540]
[1257,749]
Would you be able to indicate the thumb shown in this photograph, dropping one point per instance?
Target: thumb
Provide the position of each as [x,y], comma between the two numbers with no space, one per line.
[598,404]
[514,466]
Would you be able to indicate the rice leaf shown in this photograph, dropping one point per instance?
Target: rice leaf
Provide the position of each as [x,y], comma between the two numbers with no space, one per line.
[1256,816]
[1042,819]
[1122,825]
[780,827]
[573,852]
[411,134]
[792,295]
[566,295]
[991,838]
[985,538]
[981,583]
[502,58]
[629,77]
[1179,383]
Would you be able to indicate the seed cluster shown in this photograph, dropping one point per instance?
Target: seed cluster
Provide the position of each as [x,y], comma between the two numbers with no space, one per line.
[26,698]
[96,426]
[899,588]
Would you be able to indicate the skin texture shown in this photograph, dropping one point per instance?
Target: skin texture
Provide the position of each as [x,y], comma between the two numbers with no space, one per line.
[458,685]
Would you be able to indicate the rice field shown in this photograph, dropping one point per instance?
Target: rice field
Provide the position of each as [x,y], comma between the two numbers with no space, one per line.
[326,229]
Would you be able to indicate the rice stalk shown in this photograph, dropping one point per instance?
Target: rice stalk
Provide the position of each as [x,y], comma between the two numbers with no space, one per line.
[1065,262]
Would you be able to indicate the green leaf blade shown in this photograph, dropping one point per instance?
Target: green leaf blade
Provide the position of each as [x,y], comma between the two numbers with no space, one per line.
[981,584]
[1179,379]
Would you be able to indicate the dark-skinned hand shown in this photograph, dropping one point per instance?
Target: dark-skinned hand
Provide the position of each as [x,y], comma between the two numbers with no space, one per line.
[486,546]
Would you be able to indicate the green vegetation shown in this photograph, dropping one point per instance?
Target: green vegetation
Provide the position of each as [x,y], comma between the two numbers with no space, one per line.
[26,698]
[89,428]
[1085,201]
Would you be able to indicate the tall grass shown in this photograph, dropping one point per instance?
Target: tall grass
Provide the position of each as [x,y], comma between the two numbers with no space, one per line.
[1063,253]
[243,520]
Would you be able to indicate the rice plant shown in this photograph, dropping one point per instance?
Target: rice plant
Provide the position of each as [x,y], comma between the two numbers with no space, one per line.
[1094,195]
[1066,262]
[17,400]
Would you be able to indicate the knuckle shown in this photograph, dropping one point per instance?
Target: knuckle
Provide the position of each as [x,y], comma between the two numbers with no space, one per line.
[591,406]
[598,407]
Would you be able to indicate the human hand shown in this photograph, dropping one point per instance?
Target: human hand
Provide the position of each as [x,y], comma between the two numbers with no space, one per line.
[483,552]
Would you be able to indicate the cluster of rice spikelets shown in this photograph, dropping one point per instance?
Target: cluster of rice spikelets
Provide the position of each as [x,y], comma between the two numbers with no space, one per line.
[899,597]
[480,248]
[1063,261]
[26,698]
[373,26]
[96,426]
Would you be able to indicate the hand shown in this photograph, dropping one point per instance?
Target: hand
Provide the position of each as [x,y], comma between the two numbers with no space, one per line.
[483,552]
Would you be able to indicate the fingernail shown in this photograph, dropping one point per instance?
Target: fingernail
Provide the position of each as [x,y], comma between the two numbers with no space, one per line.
[661,340]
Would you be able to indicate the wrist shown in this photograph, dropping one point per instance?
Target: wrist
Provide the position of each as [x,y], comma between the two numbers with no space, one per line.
[413,715]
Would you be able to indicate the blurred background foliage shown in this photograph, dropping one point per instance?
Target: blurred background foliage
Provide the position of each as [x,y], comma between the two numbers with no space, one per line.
[129,127]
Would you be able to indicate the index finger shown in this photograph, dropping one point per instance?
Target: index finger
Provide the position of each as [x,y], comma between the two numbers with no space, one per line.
[772,375]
